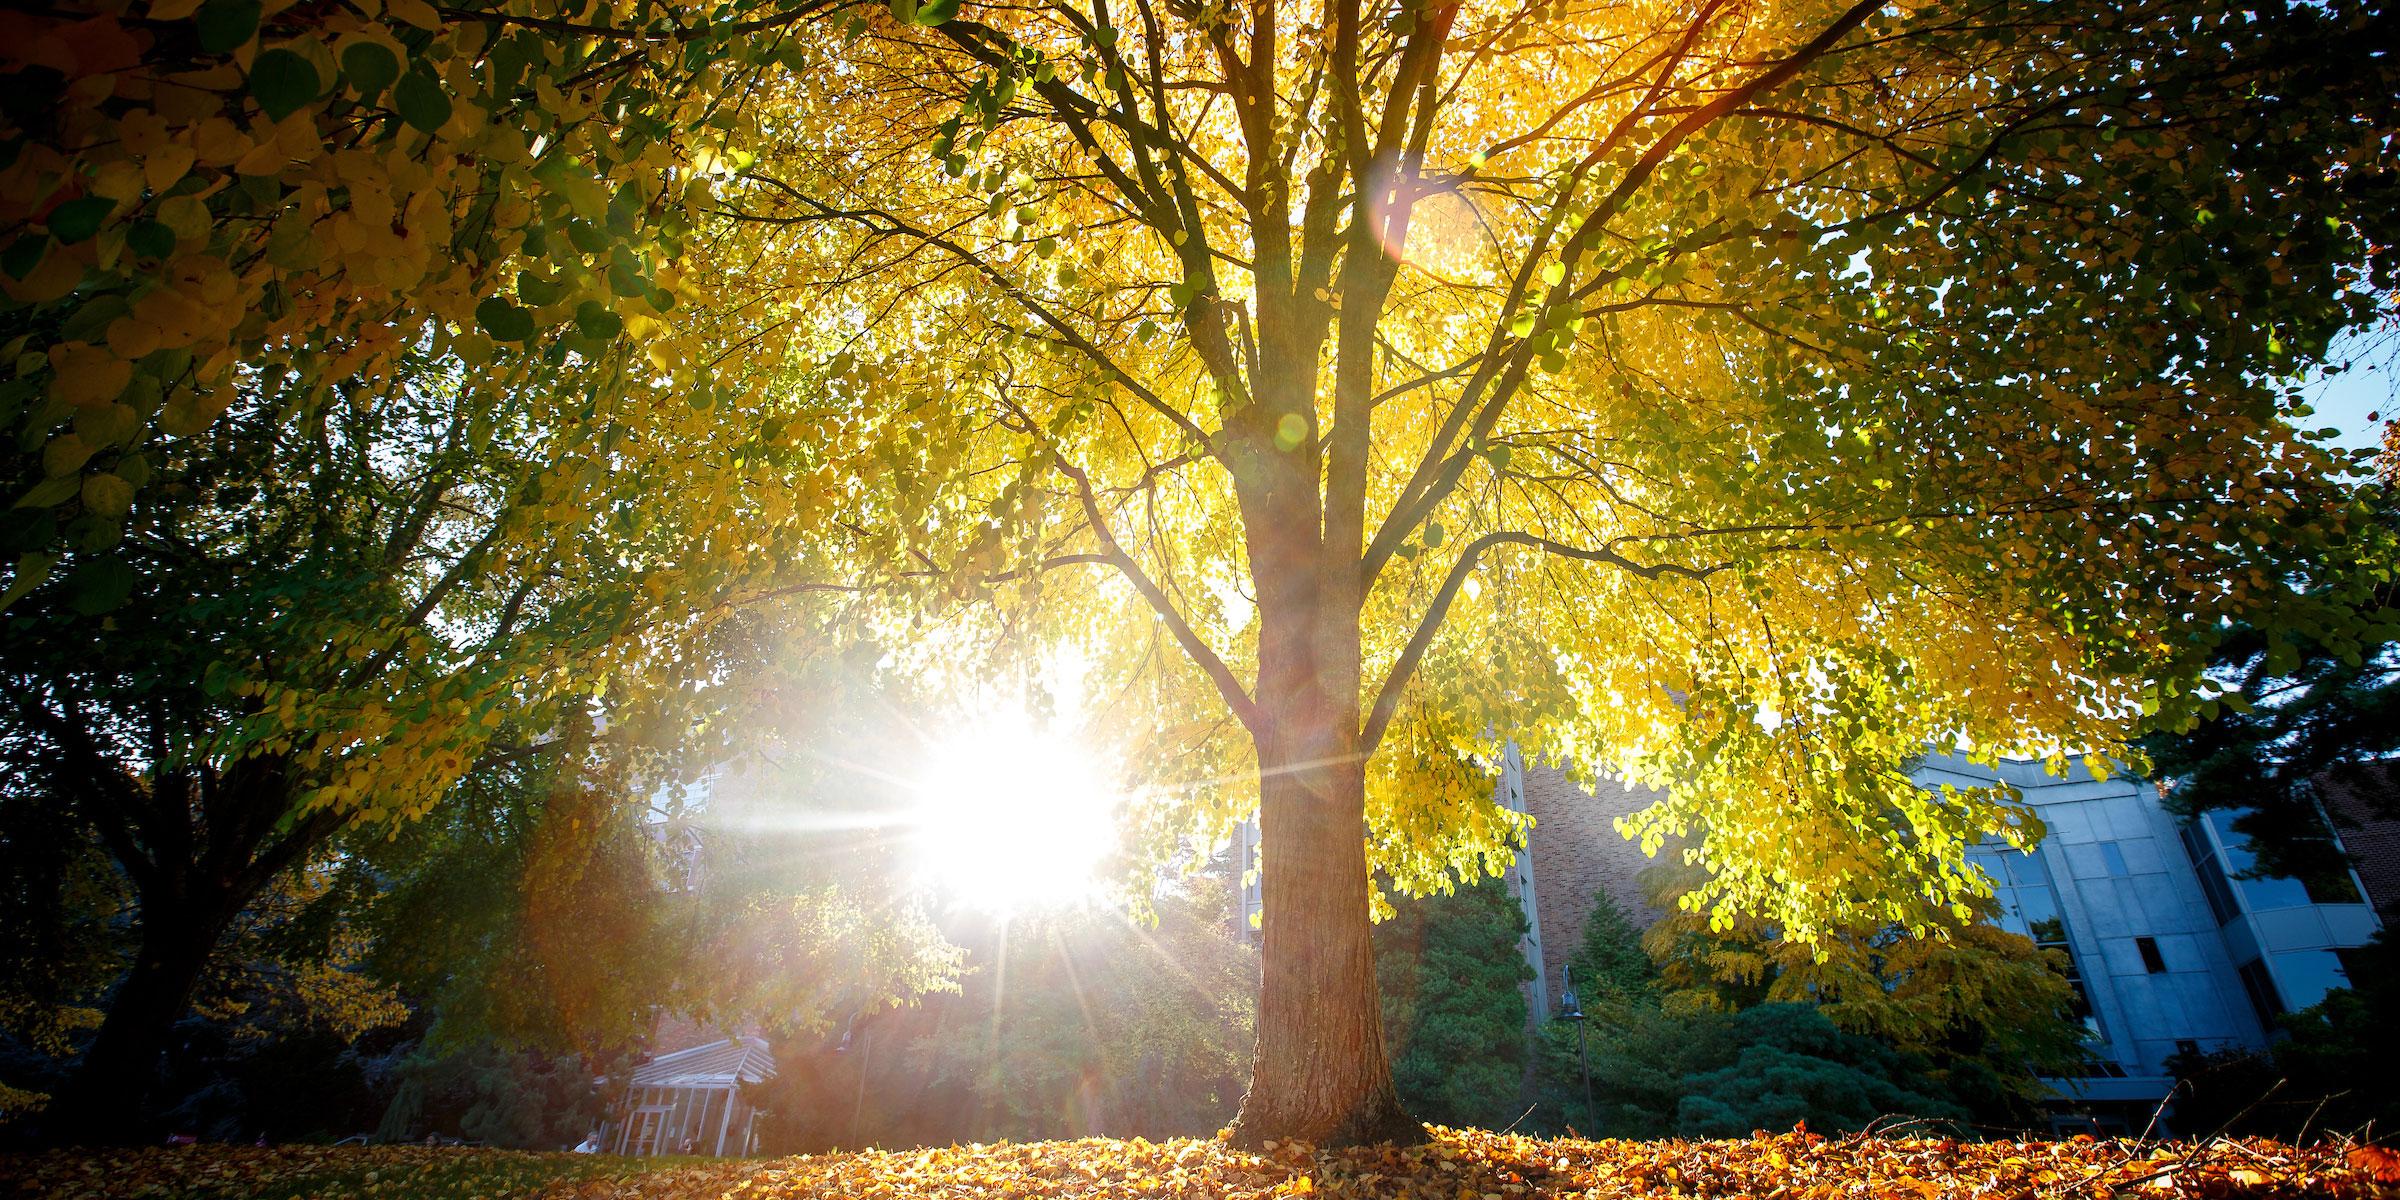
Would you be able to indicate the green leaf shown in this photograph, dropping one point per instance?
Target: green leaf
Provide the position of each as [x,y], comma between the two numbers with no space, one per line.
[936,12]
[150,239]
[226,24]
[587,237]
[624,282]
[371,67]
[583,192]
[78,219]
[32,571]
[99,586]
[284,83]
[504,321]
[90,323]
[420,101]
[24,254]
[537,291]
[55,490]
[904,11]
[597,322]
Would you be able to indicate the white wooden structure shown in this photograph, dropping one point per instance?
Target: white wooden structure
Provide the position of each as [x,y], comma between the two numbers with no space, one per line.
[690,1102]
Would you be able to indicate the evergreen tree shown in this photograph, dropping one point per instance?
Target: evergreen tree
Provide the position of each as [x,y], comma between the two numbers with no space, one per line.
[2293,709]
[1454,1012]
[2312,1078]
[1612,971]
[1792,1065]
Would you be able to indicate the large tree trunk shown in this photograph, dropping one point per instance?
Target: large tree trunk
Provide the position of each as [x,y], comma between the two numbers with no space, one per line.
[199,850]
[1321,1074]
[105,1102]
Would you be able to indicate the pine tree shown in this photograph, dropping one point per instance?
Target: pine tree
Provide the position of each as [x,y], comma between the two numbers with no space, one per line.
[1454,1010]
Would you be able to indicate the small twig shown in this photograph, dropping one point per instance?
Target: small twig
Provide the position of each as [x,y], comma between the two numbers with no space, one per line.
[2302,1140]
[2156,1113]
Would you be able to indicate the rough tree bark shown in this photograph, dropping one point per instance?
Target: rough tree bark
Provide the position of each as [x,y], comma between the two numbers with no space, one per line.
[1321,1074]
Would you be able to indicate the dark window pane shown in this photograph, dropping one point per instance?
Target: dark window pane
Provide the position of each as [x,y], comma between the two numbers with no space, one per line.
[2010,919]
[2335,890]
[2264,999]
[2151,959]
[2025,870]
[2038,906]
[2213,883]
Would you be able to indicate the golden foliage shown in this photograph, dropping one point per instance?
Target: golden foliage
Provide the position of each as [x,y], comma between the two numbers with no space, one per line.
[264,987]
[1718,399]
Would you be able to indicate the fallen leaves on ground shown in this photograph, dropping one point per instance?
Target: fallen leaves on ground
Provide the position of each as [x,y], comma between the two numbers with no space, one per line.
[1458,1165]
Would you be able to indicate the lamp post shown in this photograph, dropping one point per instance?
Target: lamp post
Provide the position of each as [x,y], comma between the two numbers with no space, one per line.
[1570,1009]
[866,1051]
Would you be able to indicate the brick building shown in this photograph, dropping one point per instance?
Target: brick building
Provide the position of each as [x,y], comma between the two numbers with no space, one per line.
[2364,802]
[1575,853]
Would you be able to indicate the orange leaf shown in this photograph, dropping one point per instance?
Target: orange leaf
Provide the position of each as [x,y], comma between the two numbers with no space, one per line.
[2379,1164]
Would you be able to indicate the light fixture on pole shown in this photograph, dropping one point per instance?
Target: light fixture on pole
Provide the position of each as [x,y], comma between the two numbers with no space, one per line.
[1570,1009]
[866,1051]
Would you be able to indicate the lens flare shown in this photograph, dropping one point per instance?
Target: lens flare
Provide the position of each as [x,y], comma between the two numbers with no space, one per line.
[1011,817]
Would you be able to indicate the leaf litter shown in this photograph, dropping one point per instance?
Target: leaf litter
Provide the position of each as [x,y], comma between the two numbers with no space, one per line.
[1459,1164]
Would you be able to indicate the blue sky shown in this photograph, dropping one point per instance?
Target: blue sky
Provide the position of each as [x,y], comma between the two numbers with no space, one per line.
[2370,386]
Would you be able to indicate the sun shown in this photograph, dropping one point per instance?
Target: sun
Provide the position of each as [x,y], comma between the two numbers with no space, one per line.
[1011,817]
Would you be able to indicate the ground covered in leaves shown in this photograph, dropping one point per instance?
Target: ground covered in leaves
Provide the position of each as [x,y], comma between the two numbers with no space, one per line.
[1459,1165]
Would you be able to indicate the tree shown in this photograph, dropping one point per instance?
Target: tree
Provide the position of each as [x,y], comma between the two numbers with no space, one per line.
[206,690]
[1613,967]
[1794,1065]
[1984,1012]
[2309,1080]
[2299,709]
[318,618]
[1798,392]
[1451,975]
[329,190]
[1744,403]
[370,300]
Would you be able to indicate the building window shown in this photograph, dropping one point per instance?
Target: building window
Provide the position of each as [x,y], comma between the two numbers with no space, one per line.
[2151,959]
[2213,883]
[2264,999]
[2113,859]
[2029,906]
[2265,892]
